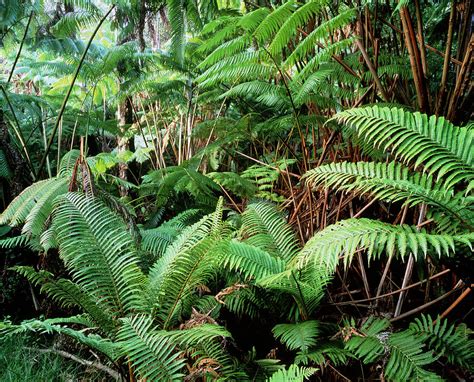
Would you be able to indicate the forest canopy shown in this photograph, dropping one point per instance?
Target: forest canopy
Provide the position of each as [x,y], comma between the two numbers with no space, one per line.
[232,190]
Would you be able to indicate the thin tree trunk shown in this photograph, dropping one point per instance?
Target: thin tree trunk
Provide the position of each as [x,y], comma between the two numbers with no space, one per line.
[415,60]
[447,54]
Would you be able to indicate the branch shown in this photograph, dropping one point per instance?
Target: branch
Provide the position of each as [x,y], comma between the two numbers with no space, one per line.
[96,364]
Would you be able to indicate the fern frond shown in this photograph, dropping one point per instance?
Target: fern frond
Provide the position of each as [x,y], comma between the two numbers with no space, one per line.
[332,351]
[38,215]
[446,340]
[407,359]
[69,294]
[99,252]
[263,227]
[13,242]
[251,20]
[50,326]
[300,336]
[370,345]
[156,240]
[292,374]
[298,19]
[197,335]
[307,286]
[151,353]
[251,261]
[304,48]
[348,236]
[18,210]
[234,183]
[390,182]
[310,85]
[273,22]
[435,143]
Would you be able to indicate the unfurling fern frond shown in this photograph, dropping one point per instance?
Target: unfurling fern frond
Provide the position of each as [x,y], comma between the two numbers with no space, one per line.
[300,336]
[446,340]
[345,238]
[433,142]
[151,353]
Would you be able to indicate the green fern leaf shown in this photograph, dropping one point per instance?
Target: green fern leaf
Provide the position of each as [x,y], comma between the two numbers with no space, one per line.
[433,142]
[300,336]
[150,352]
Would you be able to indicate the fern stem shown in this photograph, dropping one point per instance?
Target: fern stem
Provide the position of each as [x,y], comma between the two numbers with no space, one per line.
[458,286]
[20,48]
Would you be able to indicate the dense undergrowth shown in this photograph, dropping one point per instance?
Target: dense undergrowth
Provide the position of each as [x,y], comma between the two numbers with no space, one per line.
[236,191]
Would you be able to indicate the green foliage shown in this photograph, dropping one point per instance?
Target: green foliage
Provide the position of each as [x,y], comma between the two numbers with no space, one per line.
[20,363]
[176,180]
[407,359]
[442,148]
[263,227]
[346,237]
[369,345]
[447,340]
[145,345]
[393,182]
[292,374]
[409,352]
[95,244]
[299,336]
